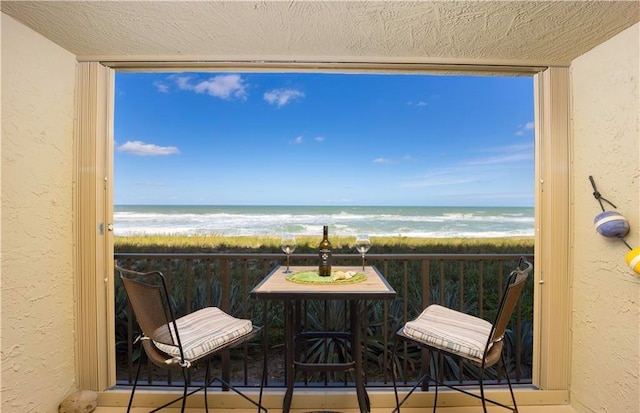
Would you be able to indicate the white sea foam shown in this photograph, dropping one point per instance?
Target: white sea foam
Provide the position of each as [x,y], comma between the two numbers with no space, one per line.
[428,222]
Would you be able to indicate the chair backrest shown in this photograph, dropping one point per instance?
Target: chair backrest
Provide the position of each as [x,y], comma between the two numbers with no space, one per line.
[510,297]
[149,298]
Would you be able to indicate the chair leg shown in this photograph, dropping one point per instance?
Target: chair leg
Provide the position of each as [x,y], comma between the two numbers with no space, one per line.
[228,385]
[513,399]
[435,397]
[207,379]
[395,388]
[434,359]
[186,393]
[482,396]
[135,382]
[263,380]
[186,385]
[393,376]
[437,383]
[480,379]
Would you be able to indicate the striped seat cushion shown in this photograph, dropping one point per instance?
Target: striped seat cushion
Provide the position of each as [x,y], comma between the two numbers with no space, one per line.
[204,331]
[450,330]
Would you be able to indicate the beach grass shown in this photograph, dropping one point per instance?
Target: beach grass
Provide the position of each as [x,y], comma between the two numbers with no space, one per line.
[308,244]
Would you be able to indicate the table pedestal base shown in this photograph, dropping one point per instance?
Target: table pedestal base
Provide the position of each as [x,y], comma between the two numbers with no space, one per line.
[293,338]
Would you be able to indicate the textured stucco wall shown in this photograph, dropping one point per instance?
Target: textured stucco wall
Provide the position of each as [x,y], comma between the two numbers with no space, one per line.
[37,331]
[605,374]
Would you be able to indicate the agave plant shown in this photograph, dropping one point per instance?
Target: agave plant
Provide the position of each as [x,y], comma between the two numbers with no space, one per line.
[327,315]
[525,354]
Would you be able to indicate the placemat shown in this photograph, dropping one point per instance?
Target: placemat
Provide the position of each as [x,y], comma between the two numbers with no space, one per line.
[312,277]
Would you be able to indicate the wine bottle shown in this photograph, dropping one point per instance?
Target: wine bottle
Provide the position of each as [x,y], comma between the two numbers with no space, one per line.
[324,251]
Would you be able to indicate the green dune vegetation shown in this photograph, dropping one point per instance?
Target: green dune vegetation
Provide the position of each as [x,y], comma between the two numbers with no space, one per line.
[308,244]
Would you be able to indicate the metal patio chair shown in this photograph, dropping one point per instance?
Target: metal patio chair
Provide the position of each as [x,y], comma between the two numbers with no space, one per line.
[181,343]
[462,336]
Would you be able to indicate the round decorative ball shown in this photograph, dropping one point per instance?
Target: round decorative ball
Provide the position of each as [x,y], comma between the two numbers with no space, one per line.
[611,224]
[633,259]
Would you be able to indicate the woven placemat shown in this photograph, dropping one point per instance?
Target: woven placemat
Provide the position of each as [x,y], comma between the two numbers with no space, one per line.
[312,277]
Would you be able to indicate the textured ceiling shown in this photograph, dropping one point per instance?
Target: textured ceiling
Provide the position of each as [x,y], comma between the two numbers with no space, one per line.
[490,32]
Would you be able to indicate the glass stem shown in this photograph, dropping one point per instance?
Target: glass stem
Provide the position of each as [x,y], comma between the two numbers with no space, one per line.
[287,262]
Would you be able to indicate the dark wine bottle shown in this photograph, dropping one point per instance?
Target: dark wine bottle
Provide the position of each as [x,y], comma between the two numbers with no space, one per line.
[324,251]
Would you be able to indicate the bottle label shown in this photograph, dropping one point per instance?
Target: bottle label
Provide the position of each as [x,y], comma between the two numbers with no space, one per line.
[325,263]
[325,257]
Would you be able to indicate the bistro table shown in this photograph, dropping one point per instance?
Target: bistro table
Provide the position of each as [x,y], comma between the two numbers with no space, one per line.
[276,286]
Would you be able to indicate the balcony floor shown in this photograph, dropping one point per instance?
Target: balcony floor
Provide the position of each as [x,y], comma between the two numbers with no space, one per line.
[307,401]
[473,409]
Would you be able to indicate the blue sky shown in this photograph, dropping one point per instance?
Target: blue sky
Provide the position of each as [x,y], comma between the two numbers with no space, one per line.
[323,139]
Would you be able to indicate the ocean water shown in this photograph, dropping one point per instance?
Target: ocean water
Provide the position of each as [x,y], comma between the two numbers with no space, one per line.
[419,222]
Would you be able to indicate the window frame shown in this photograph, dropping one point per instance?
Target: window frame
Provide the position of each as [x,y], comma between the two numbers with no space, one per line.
[93,214]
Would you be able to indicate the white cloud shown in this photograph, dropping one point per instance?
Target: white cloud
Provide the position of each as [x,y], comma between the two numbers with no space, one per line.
[436,181]
[221,86]
[140,148]
[151,184]
[500,162]
[523,129]
[516,156]
[460,174]
[427,101]
[281,97]
[405,158]
[504,155]
[161,87]
[183,82]
[516,147]
[298,140]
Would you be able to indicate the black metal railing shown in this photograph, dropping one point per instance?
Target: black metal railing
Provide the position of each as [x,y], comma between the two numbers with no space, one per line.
[472,283]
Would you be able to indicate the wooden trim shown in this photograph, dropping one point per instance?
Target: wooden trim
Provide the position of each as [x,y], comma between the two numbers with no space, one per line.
[552,244]
[92,205]
[342,66]
[552,274]
[305,400]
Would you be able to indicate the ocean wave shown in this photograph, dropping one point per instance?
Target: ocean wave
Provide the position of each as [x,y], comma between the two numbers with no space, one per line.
[379,221]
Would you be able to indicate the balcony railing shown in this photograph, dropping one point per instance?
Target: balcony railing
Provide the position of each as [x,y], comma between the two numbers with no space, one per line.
[471,283]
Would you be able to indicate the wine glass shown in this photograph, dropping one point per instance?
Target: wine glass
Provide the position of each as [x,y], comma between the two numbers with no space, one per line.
[363,243]
[288,247]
